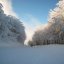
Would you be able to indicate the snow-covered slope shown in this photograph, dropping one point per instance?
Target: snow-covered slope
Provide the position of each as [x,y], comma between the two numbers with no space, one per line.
[48,54]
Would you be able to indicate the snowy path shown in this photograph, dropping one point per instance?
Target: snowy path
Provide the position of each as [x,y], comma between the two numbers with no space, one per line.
[51,54]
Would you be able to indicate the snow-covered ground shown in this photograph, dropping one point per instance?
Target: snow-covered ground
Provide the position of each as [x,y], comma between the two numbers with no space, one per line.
[47,54]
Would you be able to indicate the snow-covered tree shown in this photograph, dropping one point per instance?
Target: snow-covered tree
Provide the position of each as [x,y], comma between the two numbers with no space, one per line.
[11,28]
[53,33]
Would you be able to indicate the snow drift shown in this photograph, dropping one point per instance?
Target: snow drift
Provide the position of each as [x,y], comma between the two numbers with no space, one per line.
[11,29]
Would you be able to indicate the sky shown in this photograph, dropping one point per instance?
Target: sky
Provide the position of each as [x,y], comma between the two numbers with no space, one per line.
[37,9]
[32,13]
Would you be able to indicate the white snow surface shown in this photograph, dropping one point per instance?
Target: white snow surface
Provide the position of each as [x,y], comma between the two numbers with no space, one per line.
[46,54]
